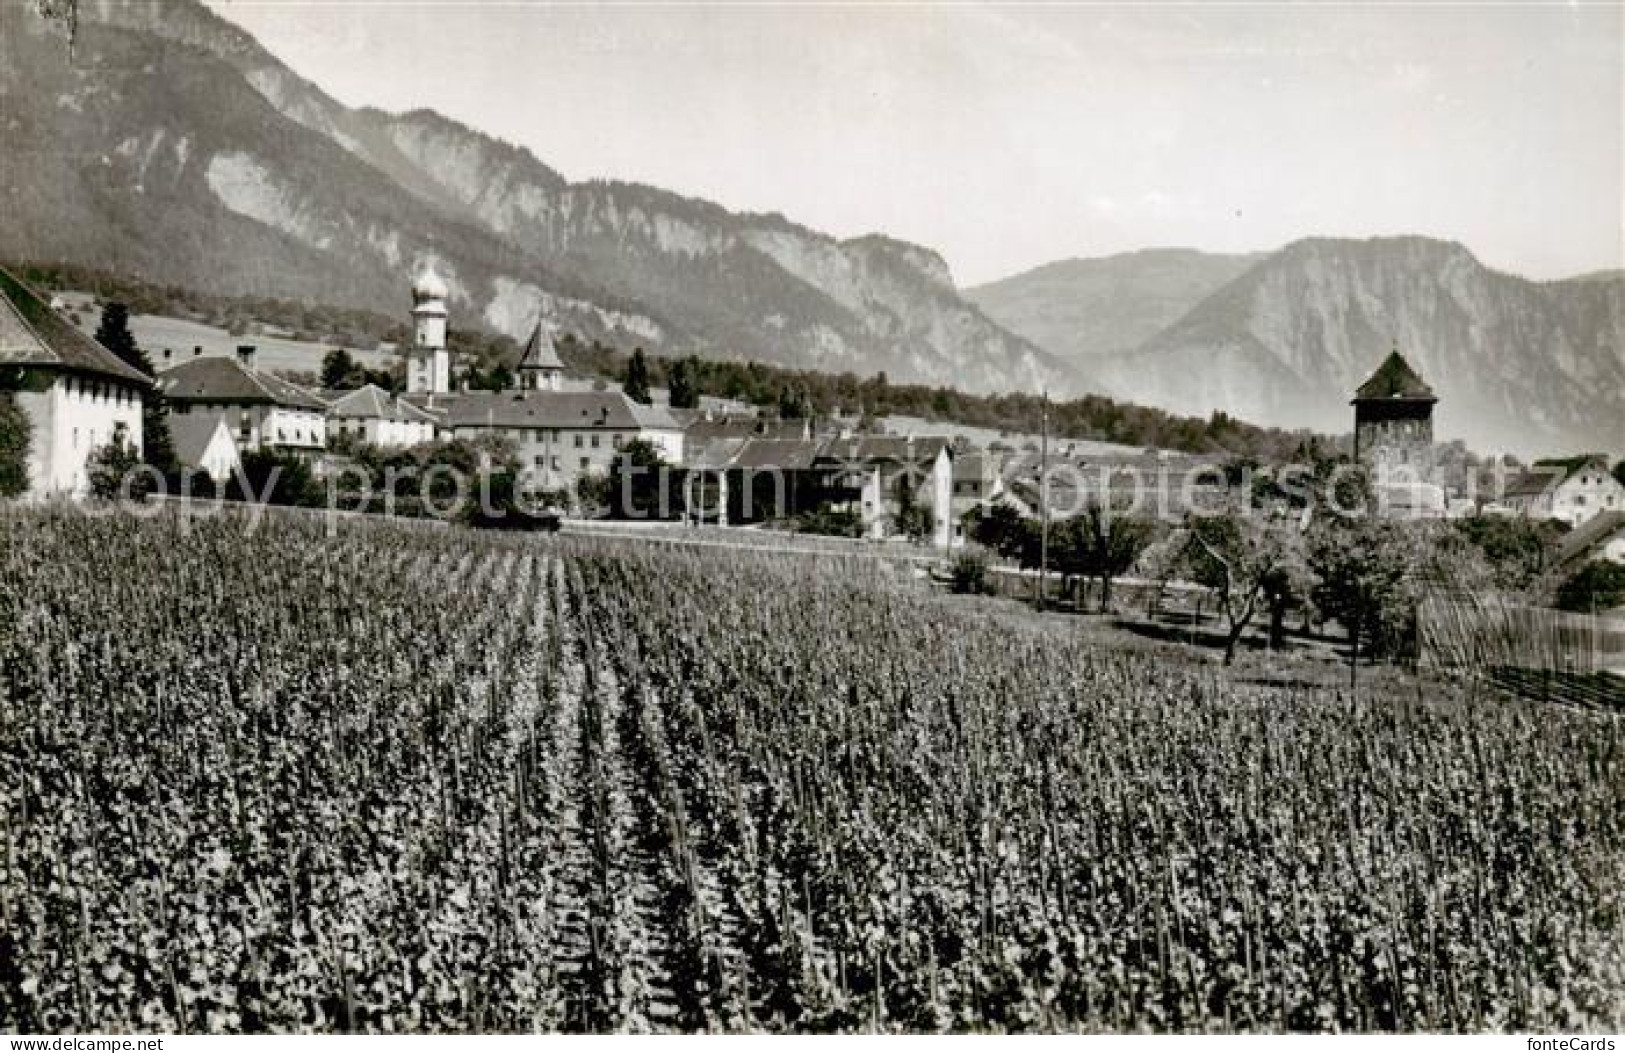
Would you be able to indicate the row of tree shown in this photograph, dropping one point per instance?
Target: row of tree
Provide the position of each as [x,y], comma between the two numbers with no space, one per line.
[1363,571]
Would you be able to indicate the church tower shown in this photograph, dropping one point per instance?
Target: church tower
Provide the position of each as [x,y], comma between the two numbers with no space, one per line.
[1393,422]
[428,363]
[540,368]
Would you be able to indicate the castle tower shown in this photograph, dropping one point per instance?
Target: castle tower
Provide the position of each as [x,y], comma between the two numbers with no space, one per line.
[1393,423]
[428,363]
[540,368]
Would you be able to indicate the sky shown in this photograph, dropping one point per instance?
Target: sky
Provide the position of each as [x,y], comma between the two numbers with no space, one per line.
[1007,136]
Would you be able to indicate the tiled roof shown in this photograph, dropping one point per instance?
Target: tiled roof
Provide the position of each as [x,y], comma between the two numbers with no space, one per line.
[191,434]
[1590,535]
[704,429]
[216,378]
[1394,379]
[540,409]
[539,352]
[899,448]
[372,402]
[31,334]
[655,418]
[792,455]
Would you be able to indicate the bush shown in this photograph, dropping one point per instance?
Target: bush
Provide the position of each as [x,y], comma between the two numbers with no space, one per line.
[1597,586]
[831,522]
[116,472]
[16,435]
[970,574]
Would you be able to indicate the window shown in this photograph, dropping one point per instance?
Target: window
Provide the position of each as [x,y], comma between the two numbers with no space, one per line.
[541,461]
[595,442]
[578,440]
[617,442]
[555,462]
[183,408]
[586,463]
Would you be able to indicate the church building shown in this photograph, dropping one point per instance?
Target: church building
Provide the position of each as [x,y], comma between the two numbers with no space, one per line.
[77,395]
[558,436]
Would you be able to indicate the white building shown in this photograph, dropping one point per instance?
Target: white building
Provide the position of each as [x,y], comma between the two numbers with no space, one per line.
[1572,491]
[560,436]
[204,441]
[428,362]
[1600,537]
[78,396]
[374,416]
[263,410]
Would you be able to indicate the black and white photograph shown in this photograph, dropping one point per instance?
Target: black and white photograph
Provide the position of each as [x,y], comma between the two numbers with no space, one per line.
[811,518]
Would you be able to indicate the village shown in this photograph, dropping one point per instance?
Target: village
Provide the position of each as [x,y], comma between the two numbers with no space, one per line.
[993,513]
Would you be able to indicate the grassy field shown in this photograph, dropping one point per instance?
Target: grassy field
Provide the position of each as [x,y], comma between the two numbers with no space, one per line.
[155,333]
[407,780]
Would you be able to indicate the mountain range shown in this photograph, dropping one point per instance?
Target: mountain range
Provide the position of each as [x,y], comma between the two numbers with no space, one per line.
[174,145]
[1284,338]
[170,144]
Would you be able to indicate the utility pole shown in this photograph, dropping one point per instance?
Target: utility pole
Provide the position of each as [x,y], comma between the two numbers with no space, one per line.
[1043,499]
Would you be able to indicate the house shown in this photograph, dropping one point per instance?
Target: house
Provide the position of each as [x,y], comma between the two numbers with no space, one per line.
[758,478]
[1572,490]
[374,416]
[77,395]
[888,473]
[263,410]
[1600,537]
[204,441]
[703,428]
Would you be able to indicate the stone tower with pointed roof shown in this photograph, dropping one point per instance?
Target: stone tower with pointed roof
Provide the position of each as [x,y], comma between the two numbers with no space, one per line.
[428,363]
[1393,422]
[540,368]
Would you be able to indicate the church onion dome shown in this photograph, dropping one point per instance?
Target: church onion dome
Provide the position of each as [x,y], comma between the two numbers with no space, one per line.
[429,285]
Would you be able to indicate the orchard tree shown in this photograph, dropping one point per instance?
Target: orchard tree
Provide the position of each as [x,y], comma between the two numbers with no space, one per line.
[1361,565]
[1252,563]
[1101,544]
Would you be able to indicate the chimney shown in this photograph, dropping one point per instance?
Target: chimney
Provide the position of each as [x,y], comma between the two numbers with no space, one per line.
[245,355]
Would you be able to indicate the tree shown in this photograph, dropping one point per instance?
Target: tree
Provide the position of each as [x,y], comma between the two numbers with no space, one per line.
[275,478]
[113,469]
[1619,471]
[637,378]
[638,481]
[793,404]
[914,519]
[1100,544]
[340,370]
[16,437]
[114,334]
[682,382]
[1597,586]
[1250,563]
[1009,533]
[1360,567]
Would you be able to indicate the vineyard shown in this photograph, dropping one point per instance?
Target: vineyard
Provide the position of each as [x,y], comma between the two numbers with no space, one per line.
[412,780]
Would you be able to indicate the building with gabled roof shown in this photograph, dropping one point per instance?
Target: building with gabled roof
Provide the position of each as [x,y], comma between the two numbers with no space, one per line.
[1600,537]
[204,441]
[263,410]
[1573,490]
[540,367]
[372,415]
[77,395]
